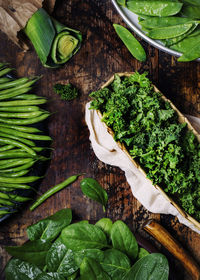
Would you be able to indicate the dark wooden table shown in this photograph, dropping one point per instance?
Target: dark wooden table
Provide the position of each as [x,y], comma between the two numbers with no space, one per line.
[101,55]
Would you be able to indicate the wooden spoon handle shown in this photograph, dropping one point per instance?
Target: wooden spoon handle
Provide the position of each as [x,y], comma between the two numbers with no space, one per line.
[163,236]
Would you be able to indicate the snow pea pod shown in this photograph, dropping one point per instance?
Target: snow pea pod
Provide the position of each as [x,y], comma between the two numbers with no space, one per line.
[130,42]
[187,43]
[169,32]
[191,11]
[157,22]
[192,2]
[161,8]
[191,53]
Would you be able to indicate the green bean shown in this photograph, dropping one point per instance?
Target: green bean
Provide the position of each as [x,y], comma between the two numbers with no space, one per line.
[25,121]
[11,154]
[13,83]
[20,109]
[19,168]
[14,93]
[15,186]
[161,8]
[170,31]
[5,80]
[21,115]
[21,180]
[5,71]
[53,190]
[6,202]
[6,148]
[28,129]
[3,65]
[17,144]
[14,197]
[24,85]
[28,97]
[6,189]
[4,212]
[13,163]
[20,139]
[15,175]
[130,42]
[23,102]
[24,134]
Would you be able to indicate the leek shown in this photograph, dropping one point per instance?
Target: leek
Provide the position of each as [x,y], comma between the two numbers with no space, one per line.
[54,43]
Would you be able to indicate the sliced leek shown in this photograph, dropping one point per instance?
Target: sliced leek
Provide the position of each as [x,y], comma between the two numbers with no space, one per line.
[54,43]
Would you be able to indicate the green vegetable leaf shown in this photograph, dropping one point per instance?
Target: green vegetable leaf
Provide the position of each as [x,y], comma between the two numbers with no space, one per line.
[83,236]
[130,42]
[60,259]
[123,239]
[33,251]
[154,266]
[17,269]
[106,225]
[95,254]
[115,263]
[66,92]
[142,253]
[49,228]
[90,269]
[50,276]
[92,189]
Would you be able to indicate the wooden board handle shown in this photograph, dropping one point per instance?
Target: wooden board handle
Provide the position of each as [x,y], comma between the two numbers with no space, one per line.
[163,236]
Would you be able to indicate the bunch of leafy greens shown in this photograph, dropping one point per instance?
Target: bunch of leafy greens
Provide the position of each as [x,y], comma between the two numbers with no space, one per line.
[149,128]
[83,251]
[66,92]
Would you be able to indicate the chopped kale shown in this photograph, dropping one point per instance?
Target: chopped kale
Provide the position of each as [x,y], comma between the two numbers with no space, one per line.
[149,128]
[66,92]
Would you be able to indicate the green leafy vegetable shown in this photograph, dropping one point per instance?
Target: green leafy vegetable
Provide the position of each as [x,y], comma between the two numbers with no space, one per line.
[106,225]
[49,228]
[91,188]
[90,269]
[149,128]
[66,92]
[34,252]
[130,42]
[123,239]
[83,236]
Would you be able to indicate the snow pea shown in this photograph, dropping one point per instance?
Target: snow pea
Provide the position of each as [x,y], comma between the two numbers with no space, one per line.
[161,8]
[157,22]
[130,42]
[192,2]
[187,43]
[170,32]
[191,11]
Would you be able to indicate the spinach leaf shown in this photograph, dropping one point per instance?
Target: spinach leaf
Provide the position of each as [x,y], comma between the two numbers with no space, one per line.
[49,228]
[90,269]
[50,276]
[105,224]
[83,236]
[142,253]
[17,269]
[92,189]
[60,259]
[123,239]
[154,266]
[115,263]
[33,251]
[96,254]
[73,276]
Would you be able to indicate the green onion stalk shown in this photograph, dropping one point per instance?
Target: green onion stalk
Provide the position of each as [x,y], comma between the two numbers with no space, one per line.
[54,43]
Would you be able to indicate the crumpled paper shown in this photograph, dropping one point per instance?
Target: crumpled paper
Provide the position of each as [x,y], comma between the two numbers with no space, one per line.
[107,150]
[14,15]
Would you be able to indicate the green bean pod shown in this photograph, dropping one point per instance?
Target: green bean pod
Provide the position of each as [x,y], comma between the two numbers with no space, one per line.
[13,163]
[6,202]
[21,115]
[15,175]
[19,168]
[21,180]
[25,135]
[23,102]
[25,121]
[5,71]
[6,148]
[14,83]
[13,155]
[19,87]
[18,144]
[15,186]
[14,93]
[5,80]
[23,140]
[53,190]
[28,97]
[21,128]
[4,212]
[20,109]
[14,197]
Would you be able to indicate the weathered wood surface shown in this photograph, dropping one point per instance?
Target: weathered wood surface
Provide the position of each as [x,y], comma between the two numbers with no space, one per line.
[101,55]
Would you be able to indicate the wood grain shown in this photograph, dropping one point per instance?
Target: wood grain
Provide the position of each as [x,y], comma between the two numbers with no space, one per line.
[101,55]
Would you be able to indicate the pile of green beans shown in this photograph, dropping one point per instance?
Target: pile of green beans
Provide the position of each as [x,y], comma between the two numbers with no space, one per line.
[18,147]
[175,23]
